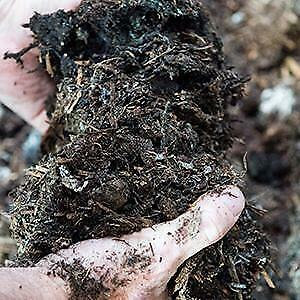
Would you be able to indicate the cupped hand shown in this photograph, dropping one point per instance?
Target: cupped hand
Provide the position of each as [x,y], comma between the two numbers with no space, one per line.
[139,266]
[24,88]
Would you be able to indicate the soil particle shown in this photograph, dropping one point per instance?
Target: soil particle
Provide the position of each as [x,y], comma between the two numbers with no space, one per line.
[139,131]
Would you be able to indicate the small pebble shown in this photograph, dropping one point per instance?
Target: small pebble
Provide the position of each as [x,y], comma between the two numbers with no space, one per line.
[279,99]
[5,174]
[238,17]
[31,147]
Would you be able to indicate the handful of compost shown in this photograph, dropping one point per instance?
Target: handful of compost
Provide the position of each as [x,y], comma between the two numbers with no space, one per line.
[139,130]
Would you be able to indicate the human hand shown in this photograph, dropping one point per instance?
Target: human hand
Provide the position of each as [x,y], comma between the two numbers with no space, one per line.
[139,266]
[24,88]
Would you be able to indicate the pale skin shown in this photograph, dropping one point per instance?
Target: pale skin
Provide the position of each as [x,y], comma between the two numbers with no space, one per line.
[163,248]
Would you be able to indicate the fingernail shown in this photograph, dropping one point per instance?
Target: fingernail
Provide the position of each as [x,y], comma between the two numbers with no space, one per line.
[234,200]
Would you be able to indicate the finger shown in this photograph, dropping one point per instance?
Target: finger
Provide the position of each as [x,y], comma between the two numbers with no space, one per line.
[145,261]
[22,90]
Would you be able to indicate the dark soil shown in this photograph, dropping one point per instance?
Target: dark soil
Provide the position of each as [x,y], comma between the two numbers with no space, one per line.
[139,130]
[13,133]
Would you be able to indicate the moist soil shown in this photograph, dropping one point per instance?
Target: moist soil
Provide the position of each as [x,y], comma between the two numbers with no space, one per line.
[139,130]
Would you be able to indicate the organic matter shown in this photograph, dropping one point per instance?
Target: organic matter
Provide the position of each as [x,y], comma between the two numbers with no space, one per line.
[139,130]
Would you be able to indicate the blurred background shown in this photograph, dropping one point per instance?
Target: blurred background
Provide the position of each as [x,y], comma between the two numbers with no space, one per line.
[261,39]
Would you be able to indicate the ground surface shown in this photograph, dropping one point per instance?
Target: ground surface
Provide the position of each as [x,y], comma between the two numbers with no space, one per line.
[261,38]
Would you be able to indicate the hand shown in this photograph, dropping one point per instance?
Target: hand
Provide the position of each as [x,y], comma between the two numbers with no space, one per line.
[136,266]
[22,90]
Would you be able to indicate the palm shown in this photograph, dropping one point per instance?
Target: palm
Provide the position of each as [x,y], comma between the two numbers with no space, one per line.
[21,89]
[145,261]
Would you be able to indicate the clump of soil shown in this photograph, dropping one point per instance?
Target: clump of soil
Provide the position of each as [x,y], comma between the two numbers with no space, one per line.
[139,130]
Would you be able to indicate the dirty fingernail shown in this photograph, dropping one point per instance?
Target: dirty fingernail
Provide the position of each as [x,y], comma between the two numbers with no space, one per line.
[234,200]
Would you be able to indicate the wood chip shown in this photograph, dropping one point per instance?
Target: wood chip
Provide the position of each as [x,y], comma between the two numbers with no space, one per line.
[268,280]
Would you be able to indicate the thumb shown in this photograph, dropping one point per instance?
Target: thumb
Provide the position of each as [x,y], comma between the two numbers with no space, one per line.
[207,221]
[145,261]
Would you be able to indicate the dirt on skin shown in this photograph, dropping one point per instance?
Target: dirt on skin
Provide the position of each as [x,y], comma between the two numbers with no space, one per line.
[139,130]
